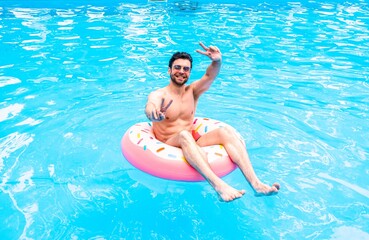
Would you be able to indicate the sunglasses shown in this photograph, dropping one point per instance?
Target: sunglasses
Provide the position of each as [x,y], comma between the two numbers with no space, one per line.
[185,69]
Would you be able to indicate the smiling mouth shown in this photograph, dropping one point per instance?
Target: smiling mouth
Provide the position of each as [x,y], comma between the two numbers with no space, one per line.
[181,76]
[179,79]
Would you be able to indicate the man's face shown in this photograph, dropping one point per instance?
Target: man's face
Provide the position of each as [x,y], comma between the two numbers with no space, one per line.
[180,71]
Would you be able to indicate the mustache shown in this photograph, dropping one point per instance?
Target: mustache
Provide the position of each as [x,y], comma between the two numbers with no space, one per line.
[179,84]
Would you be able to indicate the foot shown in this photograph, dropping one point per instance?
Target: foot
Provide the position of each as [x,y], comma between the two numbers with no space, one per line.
[227,193]
[264,190]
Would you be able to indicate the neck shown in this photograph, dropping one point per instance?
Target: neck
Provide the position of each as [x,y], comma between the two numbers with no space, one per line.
[175,89]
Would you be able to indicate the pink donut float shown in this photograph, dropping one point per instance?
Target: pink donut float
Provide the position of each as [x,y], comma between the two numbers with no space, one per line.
[145,152]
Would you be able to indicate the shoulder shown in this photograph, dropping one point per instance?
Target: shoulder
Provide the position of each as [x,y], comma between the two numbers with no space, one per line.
[192,86]
[158,92]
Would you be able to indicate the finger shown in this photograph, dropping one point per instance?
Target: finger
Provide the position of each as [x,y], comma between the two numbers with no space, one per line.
[203,46]
[161,116]
[166,107]
[203,53]
[148,116]
[214,48]
[162,103]
[154,115]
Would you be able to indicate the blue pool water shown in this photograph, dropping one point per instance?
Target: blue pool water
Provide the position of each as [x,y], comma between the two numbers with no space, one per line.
[74,77]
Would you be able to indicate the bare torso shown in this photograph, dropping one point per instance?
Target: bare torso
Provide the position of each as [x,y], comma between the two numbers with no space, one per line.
[179,116]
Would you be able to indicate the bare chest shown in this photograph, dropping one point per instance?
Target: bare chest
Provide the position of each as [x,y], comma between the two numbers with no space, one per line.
[182,107]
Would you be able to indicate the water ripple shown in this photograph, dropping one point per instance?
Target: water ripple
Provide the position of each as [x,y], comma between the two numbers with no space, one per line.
[294,82]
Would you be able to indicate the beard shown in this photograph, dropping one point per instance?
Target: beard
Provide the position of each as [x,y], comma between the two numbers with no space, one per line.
[179,84]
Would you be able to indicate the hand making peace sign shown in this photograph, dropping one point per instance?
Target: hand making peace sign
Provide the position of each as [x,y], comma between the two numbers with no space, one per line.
[159,115]
[212,52]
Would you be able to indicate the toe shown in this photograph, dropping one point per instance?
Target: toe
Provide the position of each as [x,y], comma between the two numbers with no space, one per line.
[277,186]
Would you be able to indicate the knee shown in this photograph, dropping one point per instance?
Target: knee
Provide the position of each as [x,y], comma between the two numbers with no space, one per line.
[227,133]
[185,138]
[227,130]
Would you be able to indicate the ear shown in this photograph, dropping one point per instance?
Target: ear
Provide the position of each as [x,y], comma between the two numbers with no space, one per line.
[169,71]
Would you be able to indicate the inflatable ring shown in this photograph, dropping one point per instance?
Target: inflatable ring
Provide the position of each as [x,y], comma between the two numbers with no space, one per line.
[145,152]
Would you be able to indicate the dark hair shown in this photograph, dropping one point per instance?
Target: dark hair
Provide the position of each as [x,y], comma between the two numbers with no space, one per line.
[180,55]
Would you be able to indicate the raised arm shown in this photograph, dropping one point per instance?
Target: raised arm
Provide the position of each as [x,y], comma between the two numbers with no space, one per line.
[204,83]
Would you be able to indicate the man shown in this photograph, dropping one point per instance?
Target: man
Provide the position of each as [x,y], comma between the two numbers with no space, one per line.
[172,110]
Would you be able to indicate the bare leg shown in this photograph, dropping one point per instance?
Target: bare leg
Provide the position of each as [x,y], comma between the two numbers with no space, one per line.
[238,153]
[197,159]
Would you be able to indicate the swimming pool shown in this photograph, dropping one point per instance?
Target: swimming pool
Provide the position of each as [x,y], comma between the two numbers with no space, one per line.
[75,76]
